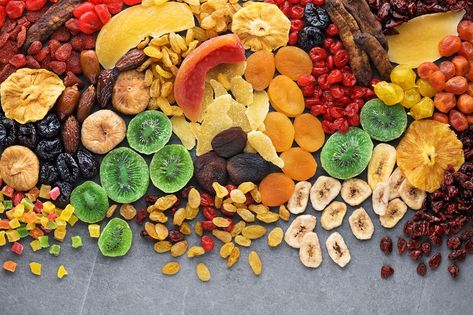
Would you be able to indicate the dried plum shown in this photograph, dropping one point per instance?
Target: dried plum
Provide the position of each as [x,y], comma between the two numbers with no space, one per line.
[229,142]
[67,167]
[316,16]
[8,132]
[210,168]
[310,37]
[27,135]
[48,150]
[66,189]
[48,173]
[247,167]
[88,164]
[49,126]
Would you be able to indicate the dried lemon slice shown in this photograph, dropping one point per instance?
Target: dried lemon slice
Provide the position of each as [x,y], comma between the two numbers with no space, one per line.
[28,94]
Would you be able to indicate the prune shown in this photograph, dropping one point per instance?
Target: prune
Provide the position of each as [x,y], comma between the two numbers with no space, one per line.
[48,173]
[229,142]
[48,150]
[8,132]
[210,168]
[27,135]
[310,37]
[316,16]
[49,126]
[386,245]
[67,167]
[247,167]
[88,164]
[66,189]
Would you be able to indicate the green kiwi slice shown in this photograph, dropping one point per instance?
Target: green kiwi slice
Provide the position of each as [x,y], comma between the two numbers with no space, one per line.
[382,122]
[149,131]
[90,202]
[171,168]
[124,175]
[116,238]
[346,155]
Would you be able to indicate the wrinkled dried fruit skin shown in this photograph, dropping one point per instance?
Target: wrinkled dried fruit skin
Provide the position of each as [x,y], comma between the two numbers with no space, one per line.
[48,173]
[86,103]
[67,167]
[8,132]
[435,260]
[210,168]
[49,127]
[67,102]
[90,65]
[247,167]
[105,84]
[453,270]
[48,150]
[421,269]
[66,189]
[27,135]
[70,135]
[386,271]
[229,142]
[88,164]
[131,60]
[401,245]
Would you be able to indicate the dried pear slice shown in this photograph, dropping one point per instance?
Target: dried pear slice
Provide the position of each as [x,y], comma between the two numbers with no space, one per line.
[19,168]
[28,94]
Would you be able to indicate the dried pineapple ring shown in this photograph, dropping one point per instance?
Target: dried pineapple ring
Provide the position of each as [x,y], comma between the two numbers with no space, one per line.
[19,168]
[28,94]
[261,26]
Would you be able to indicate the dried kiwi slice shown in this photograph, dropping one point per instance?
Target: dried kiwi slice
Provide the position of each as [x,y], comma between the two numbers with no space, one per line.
[124,175]
[382,122]
[90,202]
[149,131]
[116,238]
[346,155]
[171,168]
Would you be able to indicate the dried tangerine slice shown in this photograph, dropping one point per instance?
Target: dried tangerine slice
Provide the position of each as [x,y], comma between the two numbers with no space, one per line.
[280,130]
[263,145]
[182,129]
[258,109]
[298,164]
[309,133]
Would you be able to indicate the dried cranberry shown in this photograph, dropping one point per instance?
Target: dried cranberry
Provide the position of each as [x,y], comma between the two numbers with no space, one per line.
[206,200]
[469,246]
[453,270]
[293,36]
[332,30]
[296,25]
[435,260]
[386,271]
[151,199]
[209,213]
[208,225]
[458,254]
[207,243]
[386,245]
[306,80]
[141,216]
[175,236]
[421,269]
[415,254]
[454,242]
[426,248]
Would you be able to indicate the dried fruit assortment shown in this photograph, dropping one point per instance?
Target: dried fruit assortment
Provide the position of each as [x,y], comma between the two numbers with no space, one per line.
[252,89]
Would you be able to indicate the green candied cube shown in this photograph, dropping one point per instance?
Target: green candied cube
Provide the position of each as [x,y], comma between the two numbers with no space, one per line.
[76,241]
[8,204]
[55,250]
[22,231]
[43,241]
[27,204]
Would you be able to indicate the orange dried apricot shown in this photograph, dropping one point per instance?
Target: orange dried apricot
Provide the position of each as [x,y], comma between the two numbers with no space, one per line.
[298,164]
[309,134]
[276,189]
[285,96]
[280,130]
[260,69]
[293,62]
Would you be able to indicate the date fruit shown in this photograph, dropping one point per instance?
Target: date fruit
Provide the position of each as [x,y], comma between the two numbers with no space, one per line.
[105,83]
[131,60]
[86,103]
[67,102]
[90,65]
[71,135]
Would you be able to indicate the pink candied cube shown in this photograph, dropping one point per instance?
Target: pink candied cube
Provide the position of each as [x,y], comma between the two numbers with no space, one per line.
[52,216]
[17,248]
[38,206]
[8,191]
[54,193]
[17,198]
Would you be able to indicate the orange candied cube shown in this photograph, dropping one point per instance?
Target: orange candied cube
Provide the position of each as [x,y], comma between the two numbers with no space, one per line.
[36,233]
[9,265]
[30,217]
[33,194]
[5,224]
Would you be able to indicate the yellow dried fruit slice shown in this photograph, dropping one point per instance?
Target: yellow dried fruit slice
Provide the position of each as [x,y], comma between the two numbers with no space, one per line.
[253,231]
[263,145]
[258,109]
[179,249]
[203,273]
[182,129]
[207,99]
[242,90]
[234,257]
[255,263]
[218,88]
[238,116]
[229,70]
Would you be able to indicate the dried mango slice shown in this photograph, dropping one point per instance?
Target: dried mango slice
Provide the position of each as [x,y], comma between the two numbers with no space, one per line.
[242,90]
[182,129]
[257,110]
[263,145]
[28,94]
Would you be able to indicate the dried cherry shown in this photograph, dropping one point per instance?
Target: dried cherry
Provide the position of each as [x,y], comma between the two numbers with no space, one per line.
[386,245]
[454,270]
[67,167]
[454,242]
[175,236]
[386,271]
[421,269]
[435,260]
[401,245]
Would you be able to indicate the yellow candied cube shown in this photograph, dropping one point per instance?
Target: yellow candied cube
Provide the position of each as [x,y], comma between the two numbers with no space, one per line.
[35,268]
[13,235]
[67,213]
[10,214]
[48,207]
[61,224]
[44,191]
[61,272]
[72,220]
[35,245]
[1,196]
[18,211]
[94,230]
[60,235]
[2,208]
[3,241]
[14,223]
[44,221]
[30,226]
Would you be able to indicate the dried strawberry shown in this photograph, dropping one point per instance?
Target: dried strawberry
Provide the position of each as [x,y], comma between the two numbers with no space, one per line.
[34,48]
[58,67]
[88,41]
[76,43]
[63,53]
[102,12]
[53,45]
[4,38]
[8,51]
[15,9]
[89,23]
[43,53]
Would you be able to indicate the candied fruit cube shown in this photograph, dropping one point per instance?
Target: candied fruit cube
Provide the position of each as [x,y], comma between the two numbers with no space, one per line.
[9,265]
[18,211]
[60,235]
[44,241]
[30,226]
[5,224]
[72,220]
[8,191]
[30,217]
[35,268]
[8,204]
[35,245]
[61,224]
[61,272]
[22,231]
[13,236]
[17,197]
[67,213]
[44,221]
[14,223]
[3,241]
[1,196]
[51,225]
[94,230]
[48,207]
[2,208]
[52,216]
[36,233]
[54,193]
[76,241]
[33,194]
[44,191]
[17,248]
[38,206]
[27,205]
[55,250]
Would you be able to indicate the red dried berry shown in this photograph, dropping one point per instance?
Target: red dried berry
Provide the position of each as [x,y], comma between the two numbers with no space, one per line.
[58,67]
[88,41]
[89,22]
[469,246]
[32,63]
[73,25]
[386,245]
[76,43]
[15,9]
[3,16]
[207,243]
[426,248]
[415,254]
[82,8]
[63,53]
[53,45]
[62,34]
[73,63]
[229,228]
[114,6]
[35,5]
[185,191]
[334,76]
[293,38]
[453,270]
[131,2]
[318,54]
[454,242]
[435,260]
[332,30]
[206,200]
[18,61]
[71,79]
[458,254]
[102,12]
[208,225]
[421,269]
[341,58]
[175,236]
[34,48]
[3,36]
[21,37]
[209,212]
[296,12]
[141,216]
[297,25]
[318,3]
[386,271]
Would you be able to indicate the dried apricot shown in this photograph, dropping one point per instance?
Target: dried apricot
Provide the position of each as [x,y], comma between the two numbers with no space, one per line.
[260,69]
[293,62]
[276,189]
[309,134]
[298,164]
[285,96]
[280,130]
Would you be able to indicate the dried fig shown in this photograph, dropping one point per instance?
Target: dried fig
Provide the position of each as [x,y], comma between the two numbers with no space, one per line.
[210,168]
[71,135]
[19,168]
[247,167]
[67,102]
[229,142]
[102,131]
[130,93]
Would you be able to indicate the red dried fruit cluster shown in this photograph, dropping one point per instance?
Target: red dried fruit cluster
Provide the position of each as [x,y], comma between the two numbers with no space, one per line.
[392,13]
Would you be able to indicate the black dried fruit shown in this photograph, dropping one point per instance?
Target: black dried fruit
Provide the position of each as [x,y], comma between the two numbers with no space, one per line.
[48,173]
[210,168]
[66,190]
[27,135]
[48,150]
[88,164]
[247,167]
[8,132]
[67,167]
[229,142]
[316,16]
[310,37]
[49,126]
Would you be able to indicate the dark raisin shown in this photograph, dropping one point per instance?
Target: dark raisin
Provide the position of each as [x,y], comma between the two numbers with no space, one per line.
[172,211]
[401,245]
[415,254]
[66,189]
[8,132]
[426,248]
[48,150]
[88,164]
[247,167]
[421,269]
[144,234]
[316,16]
[310,37]
[48,173]
[151,199]
[454,242]
[453,270]
[458,254]
[67,167]
[435,260]
[386,245]
[229,142]
[141,216]
[185,191]
[175,236]
[49,126]
[27,135]
[386,271]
